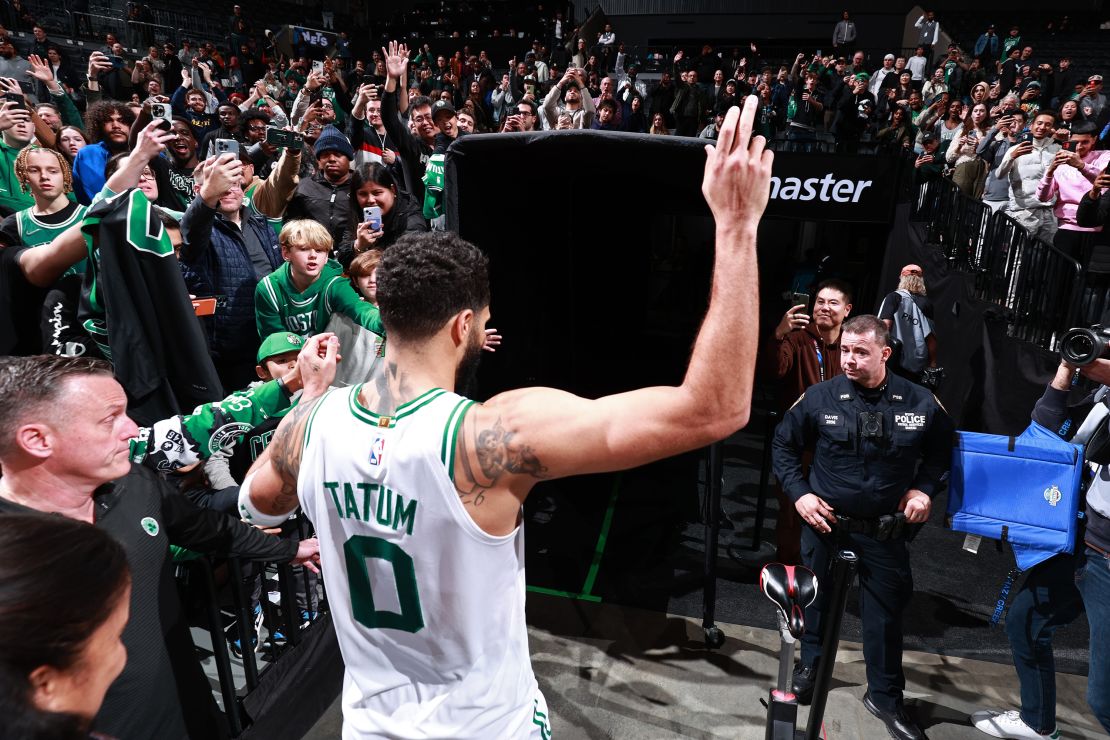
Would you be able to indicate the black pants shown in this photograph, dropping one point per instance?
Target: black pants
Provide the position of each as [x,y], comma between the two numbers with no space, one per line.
[885,588]
[1075,244]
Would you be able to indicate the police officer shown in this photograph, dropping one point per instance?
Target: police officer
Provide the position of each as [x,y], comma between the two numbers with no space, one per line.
[881,450]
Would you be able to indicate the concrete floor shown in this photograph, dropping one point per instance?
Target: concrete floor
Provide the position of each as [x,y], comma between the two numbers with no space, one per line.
[618,672]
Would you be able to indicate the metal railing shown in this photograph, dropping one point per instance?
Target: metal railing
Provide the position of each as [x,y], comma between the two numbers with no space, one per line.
[1044,290]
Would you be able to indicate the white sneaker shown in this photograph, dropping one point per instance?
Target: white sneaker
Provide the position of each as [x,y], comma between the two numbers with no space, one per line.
[1008,725]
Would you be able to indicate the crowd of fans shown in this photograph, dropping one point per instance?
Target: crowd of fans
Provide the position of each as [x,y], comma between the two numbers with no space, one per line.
[279,179]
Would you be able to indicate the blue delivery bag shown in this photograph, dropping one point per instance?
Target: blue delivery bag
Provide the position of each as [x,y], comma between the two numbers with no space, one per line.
[1023,490]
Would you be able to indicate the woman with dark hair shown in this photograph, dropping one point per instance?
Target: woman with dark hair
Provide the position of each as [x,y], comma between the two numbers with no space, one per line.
[372,185]
[899,133]
[65,593]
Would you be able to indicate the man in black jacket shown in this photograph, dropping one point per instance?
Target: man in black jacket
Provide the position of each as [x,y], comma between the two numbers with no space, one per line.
[325,197]
[65,450]
[414,151]
[1094,207]
[226,249]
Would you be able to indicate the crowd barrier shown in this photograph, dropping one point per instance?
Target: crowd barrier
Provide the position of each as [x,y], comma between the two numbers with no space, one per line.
[200,573]
[1044,291]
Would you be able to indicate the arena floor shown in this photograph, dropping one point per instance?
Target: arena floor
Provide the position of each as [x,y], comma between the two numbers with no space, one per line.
[621,672]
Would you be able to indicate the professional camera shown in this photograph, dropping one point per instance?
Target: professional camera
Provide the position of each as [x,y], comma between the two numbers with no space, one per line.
[1084,346]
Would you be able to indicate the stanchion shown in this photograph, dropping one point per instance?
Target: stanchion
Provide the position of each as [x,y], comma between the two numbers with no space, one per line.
[245,619]
[219,647]
[843,571]
[714,638]
[764,480]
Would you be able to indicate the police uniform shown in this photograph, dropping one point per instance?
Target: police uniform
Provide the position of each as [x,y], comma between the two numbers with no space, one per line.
[868,444]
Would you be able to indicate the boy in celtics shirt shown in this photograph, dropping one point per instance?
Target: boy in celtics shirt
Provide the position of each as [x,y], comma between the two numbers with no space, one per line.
[302,294]
[47,175]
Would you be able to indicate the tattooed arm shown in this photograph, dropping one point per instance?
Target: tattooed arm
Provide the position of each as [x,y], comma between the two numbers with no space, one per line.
[273,489]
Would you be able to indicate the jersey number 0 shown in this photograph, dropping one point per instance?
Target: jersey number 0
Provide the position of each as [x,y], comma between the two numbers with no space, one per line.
[357,550]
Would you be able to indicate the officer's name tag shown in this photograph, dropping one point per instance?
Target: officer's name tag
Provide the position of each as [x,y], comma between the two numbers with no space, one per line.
[909,422]
[830,420]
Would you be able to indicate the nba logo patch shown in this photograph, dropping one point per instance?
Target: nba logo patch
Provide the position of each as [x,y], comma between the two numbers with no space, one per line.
[377,450]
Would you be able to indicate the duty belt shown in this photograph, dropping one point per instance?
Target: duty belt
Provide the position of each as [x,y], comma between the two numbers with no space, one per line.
[881,529]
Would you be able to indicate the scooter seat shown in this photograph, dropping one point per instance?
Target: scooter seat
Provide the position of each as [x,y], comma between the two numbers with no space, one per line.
[792,588]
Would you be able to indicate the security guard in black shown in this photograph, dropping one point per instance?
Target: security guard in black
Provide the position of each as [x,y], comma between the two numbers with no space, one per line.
[882,447]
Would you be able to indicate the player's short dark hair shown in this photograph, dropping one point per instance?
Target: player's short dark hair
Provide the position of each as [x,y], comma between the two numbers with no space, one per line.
[425,279]
[867,324]
[30,384]
[840,286]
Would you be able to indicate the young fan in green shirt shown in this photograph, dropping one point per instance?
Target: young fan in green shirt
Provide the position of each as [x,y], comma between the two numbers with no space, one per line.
[302,294]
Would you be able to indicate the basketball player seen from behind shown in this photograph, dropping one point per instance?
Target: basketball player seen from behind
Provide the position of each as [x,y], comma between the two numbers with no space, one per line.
[416,492]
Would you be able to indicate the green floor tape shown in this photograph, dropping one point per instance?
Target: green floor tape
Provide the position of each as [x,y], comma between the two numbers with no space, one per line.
[595,564]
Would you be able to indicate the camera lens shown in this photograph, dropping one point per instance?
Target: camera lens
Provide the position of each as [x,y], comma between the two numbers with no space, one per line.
[1081,346]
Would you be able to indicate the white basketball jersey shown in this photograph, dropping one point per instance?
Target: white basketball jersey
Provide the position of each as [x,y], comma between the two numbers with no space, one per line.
[428,608]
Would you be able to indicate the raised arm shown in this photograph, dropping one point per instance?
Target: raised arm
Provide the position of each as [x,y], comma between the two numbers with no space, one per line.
[520,437]
[269,491]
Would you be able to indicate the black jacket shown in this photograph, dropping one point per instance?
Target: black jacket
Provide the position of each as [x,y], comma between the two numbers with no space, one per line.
[413,152]
[145,515]
[318,199]
[134,287]
[1094,212]
[864,476]
[405,216]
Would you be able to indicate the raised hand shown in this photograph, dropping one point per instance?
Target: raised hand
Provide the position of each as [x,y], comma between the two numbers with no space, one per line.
[396,59]
[40,70]
[152,141]
[737,180]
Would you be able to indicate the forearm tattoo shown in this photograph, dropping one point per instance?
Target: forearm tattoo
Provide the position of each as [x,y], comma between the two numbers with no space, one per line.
[285,454]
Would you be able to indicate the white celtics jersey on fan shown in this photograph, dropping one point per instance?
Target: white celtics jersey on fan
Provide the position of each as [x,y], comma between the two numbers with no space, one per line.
[428,608]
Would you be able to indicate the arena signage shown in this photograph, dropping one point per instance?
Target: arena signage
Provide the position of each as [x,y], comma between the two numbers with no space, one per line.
[834,187]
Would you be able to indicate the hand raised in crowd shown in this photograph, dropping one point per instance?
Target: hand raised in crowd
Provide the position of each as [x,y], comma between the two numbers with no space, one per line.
[923,159]
[1020,150]
[396,59]
[1065,157]
[1101,183]
[493,340]
[367,92]
[98,62]
[794,318]
[40,70]
[313,81]
[11,114]
[365,237]
[152,141]
[737,180]
[9,85]
[816,512]
[219,177]
[389,156]
[678,57]
[916,506]
[316,364]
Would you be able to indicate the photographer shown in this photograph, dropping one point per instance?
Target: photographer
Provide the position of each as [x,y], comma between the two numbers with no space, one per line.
[572,90]
[1055,592]
[881,452]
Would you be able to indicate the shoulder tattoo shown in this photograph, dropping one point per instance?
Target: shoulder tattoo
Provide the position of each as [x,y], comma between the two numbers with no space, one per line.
[495,453]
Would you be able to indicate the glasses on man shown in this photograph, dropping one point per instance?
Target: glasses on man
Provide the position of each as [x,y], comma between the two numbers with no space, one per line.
[421,119]
[146,175]
[525,112]
[256,128]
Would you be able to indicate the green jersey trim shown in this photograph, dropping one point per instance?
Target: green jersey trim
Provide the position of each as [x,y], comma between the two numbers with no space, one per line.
[364,414]
[451,435]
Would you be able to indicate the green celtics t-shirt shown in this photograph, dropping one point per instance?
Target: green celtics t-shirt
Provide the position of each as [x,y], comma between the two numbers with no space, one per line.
[279,307]
[35,231]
